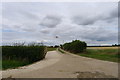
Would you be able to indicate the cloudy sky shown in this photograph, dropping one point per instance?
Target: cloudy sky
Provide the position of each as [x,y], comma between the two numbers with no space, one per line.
[92,22]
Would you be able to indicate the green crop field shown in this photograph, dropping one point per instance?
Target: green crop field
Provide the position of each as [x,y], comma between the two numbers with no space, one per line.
[51,49]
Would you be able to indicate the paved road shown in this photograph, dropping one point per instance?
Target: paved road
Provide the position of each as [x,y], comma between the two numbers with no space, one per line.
[58,65]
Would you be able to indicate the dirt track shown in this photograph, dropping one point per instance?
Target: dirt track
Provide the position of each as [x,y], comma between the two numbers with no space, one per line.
[58,65]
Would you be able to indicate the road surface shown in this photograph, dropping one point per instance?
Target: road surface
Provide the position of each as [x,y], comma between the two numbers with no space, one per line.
[58,65]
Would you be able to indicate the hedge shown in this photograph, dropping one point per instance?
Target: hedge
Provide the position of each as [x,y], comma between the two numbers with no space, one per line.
[24,53]
[75,46]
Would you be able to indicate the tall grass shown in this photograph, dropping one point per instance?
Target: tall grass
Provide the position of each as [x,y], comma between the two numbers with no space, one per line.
[13,63]
[19,55]
[102,54]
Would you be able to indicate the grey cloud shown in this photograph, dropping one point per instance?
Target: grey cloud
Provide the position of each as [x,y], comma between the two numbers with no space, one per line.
[89,20]
[29,15]
[17,26]
[114,13]
[100,35]
[118,9]
[11,27]
[51,21]
[84,25]
[10,35]
[89,34]
[28,29]
[45,31]
[5,26]
[84,21]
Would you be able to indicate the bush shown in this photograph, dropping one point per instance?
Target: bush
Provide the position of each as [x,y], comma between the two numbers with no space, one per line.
[24,53]
[76,46]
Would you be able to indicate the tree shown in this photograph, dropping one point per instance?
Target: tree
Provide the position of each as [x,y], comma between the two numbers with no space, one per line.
[75,46]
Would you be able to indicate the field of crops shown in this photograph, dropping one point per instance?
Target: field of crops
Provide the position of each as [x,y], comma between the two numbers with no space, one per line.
[102,47]
[51,49]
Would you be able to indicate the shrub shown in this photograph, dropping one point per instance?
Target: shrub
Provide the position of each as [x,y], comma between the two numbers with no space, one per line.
[24,53]
[75,46]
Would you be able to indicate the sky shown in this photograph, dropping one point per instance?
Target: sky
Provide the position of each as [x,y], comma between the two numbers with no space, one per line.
[96,23]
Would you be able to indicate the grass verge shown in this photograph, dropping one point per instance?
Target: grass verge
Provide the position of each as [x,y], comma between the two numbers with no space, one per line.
[101,54]
[11,64]
[60,50]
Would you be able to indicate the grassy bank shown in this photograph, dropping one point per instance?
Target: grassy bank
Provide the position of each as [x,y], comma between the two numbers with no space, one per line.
[101,54]
[0,64]
[60,50]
